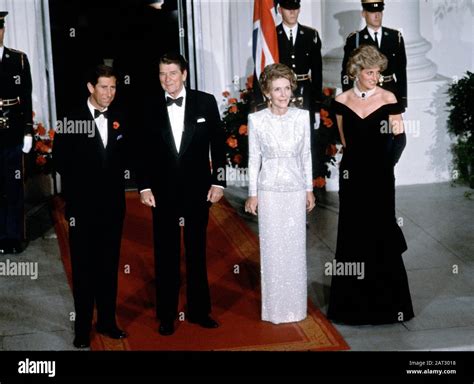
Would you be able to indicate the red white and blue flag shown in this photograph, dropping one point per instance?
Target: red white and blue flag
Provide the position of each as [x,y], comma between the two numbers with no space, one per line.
[265,41]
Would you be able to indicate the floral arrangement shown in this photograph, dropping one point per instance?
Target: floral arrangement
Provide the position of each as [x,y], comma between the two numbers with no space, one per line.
[326,139]
[461,127]
[42,149]
[235,120]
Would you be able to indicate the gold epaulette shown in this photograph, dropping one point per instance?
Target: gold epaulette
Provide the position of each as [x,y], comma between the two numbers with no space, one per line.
[351,34]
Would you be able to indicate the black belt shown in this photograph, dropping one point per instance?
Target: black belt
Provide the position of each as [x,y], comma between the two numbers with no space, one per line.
[4,119]
[9,102]
[389,78]
[303,77]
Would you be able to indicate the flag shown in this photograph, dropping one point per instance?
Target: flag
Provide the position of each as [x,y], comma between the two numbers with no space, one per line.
[265,42]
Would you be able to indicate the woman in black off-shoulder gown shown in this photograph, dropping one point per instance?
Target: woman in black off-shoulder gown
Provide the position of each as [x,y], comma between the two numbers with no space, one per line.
[368,232]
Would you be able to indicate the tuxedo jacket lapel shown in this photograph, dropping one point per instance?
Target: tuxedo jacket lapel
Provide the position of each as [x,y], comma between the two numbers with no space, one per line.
[189,121]
[96,141]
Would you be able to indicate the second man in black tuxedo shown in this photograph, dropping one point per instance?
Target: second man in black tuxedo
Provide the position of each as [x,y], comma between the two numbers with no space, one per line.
[179,180]
[89,155]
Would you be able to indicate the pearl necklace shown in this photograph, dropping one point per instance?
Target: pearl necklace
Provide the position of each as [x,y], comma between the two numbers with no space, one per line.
[363,95]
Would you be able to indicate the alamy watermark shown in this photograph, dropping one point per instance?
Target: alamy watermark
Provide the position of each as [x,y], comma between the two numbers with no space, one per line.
[339,268]
[19,268]
[411,127]
[76,127]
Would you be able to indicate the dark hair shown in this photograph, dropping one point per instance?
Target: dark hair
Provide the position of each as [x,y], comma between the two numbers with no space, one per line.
[274,72]
[101,70]
[363,57]
[174,58]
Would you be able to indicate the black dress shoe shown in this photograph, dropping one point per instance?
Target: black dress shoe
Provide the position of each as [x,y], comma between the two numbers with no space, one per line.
[81,341]
[113,333]
[166,328]
[205,322]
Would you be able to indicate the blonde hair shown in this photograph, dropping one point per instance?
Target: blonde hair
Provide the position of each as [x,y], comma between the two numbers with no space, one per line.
[363,57]
[274,72]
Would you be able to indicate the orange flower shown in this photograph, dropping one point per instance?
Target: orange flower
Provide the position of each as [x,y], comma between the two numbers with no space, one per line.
[115,125]
[243,130]
[51,134]
[327,122]
[226,93]
[232,142]
[324,113]
[319,182]
[331,150]
[233,109]
[41,129]
[42,147]
[233,101]
[40,160]
[237,158]
[327,91]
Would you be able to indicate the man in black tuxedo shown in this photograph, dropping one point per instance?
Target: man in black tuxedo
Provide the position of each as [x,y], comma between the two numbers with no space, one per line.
[388,41]
[178,179]
[89,155]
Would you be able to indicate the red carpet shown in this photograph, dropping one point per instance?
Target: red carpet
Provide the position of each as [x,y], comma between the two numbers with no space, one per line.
[234,277]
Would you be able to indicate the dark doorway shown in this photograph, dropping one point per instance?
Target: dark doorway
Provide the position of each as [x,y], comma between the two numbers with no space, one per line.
[131,33]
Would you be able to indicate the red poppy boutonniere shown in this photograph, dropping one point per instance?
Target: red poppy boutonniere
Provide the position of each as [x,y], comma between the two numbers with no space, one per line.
[115,125]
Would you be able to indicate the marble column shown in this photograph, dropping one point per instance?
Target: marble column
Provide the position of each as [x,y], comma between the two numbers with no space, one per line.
[341,17]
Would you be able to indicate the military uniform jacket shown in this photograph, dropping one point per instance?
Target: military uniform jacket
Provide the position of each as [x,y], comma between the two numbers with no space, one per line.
[15,82]
[304,57]
[393,47]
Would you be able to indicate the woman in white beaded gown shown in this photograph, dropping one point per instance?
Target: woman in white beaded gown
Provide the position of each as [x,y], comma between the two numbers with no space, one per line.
[280,185]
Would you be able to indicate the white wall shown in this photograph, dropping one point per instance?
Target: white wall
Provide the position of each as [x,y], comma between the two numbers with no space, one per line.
[446,24]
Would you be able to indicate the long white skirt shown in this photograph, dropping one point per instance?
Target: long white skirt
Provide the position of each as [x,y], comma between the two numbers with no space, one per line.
[282,232]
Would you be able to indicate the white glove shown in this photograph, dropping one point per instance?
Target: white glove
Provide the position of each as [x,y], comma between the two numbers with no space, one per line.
[317,120]
[27,144]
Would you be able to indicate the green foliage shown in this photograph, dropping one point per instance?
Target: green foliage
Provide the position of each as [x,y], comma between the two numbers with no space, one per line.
[461,125]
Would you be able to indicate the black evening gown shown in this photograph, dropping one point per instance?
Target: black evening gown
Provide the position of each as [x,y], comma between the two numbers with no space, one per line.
[368,232]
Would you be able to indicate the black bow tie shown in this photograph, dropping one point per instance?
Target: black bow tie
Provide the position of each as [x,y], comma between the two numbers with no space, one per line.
[178,101]
[97,113]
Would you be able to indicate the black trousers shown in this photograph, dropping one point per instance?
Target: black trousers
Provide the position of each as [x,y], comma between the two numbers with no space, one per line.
[12,217]
[94,241]
[168,224]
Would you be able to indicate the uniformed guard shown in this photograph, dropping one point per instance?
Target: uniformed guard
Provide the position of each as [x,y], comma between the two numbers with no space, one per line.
[16,130]
[388,41]
[299,47]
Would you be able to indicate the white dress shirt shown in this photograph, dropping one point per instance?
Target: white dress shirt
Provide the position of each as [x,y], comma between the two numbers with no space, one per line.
[101,122]
[379,35]
[2,48]
[294,32]
[176,115]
